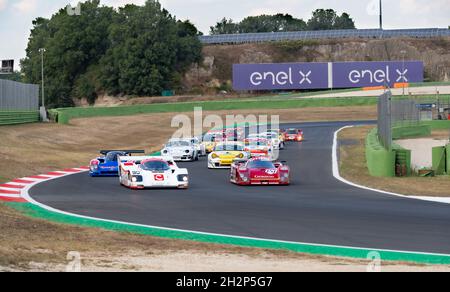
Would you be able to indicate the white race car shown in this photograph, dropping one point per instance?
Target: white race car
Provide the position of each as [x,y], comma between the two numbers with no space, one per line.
[151,172]
[275,139]
[181,150]
[200,147]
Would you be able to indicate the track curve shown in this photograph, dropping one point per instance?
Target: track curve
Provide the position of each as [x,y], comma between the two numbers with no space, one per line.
[316,208]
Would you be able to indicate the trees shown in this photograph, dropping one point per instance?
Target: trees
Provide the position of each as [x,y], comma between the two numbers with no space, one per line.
[225,26]
[72,44]
[344,22]
[149,50]
[271,23]
[328,19]
[15,76]
[137,50]
[322,19]
[262,23]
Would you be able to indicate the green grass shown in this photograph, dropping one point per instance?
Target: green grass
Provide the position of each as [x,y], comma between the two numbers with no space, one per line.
[439,83]
[282,101]
[66,114]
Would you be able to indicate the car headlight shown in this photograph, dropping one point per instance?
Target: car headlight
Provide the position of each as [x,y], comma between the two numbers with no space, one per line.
[214,156]
[133,179]
[165,152]
[187,151]
[240,155]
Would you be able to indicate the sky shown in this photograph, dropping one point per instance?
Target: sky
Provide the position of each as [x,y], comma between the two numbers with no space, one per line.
[16,16]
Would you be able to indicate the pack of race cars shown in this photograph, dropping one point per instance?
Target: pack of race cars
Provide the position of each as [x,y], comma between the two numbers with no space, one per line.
[252,159]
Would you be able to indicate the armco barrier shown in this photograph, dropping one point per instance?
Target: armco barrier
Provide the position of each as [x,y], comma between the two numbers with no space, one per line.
[18,117]
[380,162]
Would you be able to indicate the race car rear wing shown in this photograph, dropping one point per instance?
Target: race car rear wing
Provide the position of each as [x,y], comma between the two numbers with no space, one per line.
[104,152]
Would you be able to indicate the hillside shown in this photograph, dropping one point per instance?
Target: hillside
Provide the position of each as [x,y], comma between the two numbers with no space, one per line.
[216,71]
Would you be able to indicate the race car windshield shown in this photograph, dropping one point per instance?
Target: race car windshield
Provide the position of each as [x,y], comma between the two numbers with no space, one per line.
[179,144]
[292,131]
[209,138]
[260,164]
[229,148]
[112,156]
[255,143]
[155,166]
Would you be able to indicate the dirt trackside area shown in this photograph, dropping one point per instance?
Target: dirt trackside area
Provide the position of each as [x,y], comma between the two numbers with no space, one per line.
[353,167]
[34,244]
[28,244]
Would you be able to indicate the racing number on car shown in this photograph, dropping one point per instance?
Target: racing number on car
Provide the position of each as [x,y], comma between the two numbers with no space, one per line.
[159,177]
[271,171]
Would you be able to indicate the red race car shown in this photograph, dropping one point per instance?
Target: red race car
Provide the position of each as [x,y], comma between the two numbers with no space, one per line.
[259,171]
[295,135]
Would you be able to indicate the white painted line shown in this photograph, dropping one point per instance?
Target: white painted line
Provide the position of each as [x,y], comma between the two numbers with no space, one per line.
[14,184]
[27,197]
[338,176]
[11,196]
[10,189]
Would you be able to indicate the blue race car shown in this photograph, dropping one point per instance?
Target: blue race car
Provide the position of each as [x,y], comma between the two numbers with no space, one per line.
[107,164]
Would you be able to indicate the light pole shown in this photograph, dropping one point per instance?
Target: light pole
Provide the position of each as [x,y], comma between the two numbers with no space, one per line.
[381,15]
[403,52]
[43,111]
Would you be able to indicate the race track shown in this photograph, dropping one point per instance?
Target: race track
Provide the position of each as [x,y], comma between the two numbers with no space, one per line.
[316,208]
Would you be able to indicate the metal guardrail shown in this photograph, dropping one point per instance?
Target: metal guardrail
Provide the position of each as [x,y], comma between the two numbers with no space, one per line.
[322,34]
[16,96]
[18,117]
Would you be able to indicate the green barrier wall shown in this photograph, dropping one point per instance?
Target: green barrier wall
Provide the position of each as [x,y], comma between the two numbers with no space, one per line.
[18,117]
[439,160]
[403,157]
[380,162]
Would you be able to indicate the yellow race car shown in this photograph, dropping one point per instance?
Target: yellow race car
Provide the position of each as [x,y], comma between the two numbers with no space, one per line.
[209,142]
[225,153]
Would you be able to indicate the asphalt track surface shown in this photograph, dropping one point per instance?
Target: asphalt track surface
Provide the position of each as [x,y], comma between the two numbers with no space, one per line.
[316,208]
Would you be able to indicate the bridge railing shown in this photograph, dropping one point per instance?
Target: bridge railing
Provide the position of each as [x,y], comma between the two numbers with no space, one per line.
[322,34]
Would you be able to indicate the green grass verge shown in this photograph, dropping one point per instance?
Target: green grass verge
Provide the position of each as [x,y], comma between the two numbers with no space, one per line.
[38,212]
[66,114]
